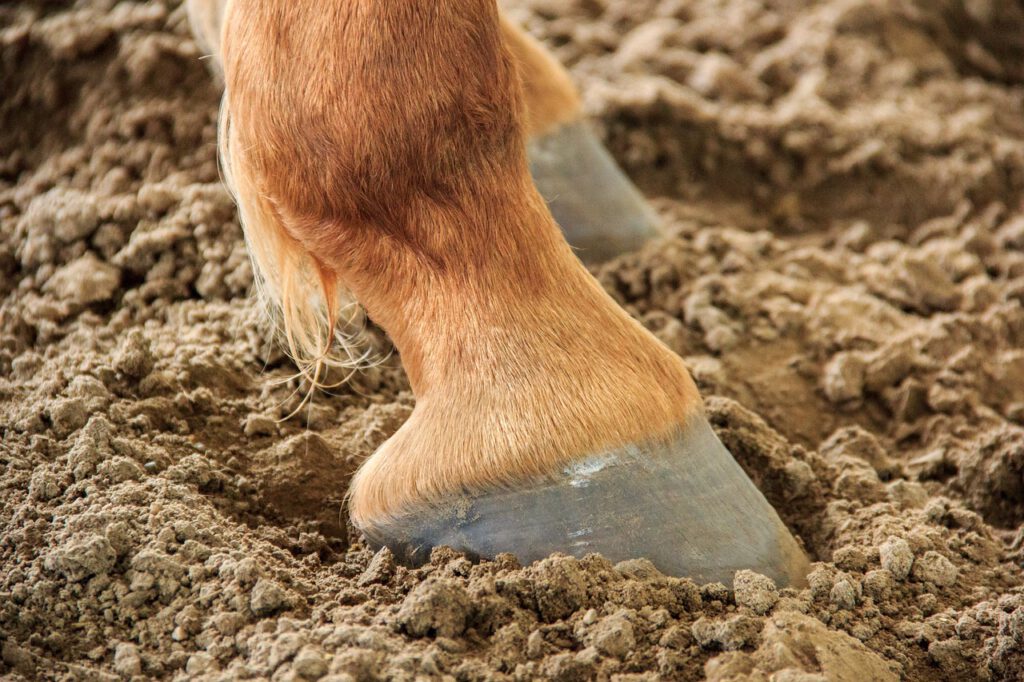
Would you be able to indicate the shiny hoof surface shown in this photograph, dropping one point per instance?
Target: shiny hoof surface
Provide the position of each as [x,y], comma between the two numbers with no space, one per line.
[685,504]
[600,211]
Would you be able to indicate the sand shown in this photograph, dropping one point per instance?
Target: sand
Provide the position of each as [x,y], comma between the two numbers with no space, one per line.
[843,183]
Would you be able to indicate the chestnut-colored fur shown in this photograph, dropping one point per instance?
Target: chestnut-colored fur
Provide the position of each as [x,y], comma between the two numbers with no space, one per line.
[308,307]
[550,96]
[377,147]
[548,91]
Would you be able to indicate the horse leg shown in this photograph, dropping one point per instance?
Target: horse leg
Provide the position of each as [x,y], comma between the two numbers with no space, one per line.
[546,418]
[599,209]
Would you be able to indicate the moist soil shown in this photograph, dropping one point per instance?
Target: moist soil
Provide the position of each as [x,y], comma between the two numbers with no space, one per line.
[842,181]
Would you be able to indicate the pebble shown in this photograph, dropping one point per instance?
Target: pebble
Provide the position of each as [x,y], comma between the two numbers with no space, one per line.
[157,197]
[560,587]
[717,75]
[641,569]
[712,592]
[285,646]
[566,666]
[947,654]
[854,441]
[535,645]
[821,579]
[907,494]
[850,558]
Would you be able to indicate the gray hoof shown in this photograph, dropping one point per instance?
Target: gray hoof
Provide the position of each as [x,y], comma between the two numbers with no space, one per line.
[685,504]
[599,210]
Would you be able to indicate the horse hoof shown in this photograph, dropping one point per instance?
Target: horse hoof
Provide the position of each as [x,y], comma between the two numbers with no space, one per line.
[599,210]
[682,502]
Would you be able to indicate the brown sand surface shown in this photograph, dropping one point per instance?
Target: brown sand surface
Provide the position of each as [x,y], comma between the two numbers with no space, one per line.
[844,183]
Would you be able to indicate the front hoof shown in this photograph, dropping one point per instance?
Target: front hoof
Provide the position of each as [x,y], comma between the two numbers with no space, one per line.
[682,502]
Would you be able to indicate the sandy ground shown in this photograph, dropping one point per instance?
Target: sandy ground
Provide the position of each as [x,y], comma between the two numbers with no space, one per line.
[843,180]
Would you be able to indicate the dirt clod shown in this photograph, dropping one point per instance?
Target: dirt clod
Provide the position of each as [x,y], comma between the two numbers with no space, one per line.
[896,557]
[755,591]
[436,607]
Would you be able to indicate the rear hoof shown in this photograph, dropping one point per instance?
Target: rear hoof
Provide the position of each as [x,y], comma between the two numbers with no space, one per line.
[599,210]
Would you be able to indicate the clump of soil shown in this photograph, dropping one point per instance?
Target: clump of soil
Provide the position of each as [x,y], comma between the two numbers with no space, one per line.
[843,182]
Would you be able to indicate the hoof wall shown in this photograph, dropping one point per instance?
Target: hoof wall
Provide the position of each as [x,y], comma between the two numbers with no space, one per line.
[599,210]
[684,503]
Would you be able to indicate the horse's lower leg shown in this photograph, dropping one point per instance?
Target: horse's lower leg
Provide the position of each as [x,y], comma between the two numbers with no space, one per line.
[549,95]
[598,208]
[546,418]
